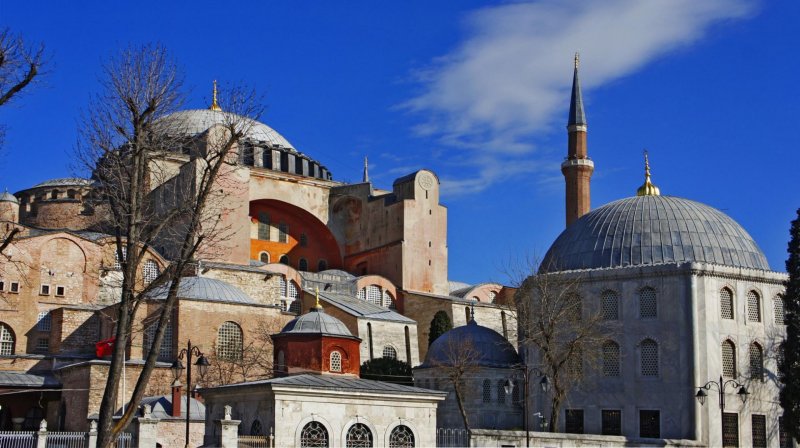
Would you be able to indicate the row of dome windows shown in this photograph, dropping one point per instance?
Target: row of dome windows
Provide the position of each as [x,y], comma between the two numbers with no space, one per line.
[756,360]
[302,263]
[315,434]
[754,311]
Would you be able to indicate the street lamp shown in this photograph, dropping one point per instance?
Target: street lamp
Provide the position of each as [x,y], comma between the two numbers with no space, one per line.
[544,385]
[720,386]
[178,368]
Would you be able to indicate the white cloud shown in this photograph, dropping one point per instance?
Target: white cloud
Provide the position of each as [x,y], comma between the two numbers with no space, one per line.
[509,80]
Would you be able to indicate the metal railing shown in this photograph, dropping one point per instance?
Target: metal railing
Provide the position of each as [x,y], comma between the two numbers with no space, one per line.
[66,440]
[253,442]
[452,437]
[125,440]
[17,439]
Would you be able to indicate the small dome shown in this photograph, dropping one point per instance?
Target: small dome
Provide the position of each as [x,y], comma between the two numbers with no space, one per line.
[196,121]
[317,322]
[204,288]
[8,197]
[651,230]
[161,407]
[489,347]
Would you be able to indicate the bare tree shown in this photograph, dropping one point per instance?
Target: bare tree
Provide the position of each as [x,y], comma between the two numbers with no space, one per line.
[458,365]
[255,362]
[559,332]
[159,188]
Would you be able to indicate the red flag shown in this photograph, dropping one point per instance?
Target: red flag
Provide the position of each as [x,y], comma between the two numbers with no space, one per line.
[104,347]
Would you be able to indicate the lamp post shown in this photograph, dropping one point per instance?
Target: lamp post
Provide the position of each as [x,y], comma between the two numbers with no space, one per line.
[544,385]
[720,386]
[177,369]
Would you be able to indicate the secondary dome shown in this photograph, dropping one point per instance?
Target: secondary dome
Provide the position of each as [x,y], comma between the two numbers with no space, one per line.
[196,121]
[204,288]
[317,321]
[489,348]
[651,230]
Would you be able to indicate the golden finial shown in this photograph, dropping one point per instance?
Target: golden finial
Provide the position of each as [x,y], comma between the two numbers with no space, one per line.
[577,60]
[214,104]
[647,189]
[317,306]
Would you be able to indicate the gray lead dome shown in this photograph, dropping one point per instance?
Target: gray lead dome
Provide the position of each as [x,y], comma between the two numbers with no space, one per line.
[651,230]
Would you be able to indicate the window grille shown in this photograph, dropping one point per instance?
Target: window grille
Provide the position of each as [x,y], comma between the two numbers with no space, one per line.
[515,393]
[117,262]
[362,294]
[501,391]
[401,437]
[6,341]
[229,341]
[359,436]
[283,231]
[165,352]
[303,240]
[336,362]
[263,226]
[728,359]
[574,307]
[610,305]
[374,294]
[730,429]
[44,322]
[389,352]
[611,422]
[610,359]
[753,307]
[575,363]
[648,304]
[759,429]
[650,424]
[322,266]
[291,292]
[388,300]
[573,421]
[150,271]
[42,345]
[726,303]
[314,435]
[256,428]
[779,310]
[756,362]
[294,306]
[302,265]
[649,357]
[487,391]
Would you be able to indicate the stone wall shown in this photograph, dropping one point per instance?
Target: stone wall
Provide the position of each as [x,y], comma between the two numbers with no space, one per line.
[483,437]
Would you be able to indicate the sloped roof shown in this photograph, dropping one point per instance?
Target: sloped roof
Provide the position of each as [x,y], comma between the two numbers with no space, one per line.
[23,379]
[337,383]
[362,308]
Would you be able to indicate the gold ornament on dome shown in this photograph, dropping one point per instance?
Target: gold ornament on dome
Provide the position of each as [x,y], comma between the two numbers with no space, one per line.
[647,189]
[214,104]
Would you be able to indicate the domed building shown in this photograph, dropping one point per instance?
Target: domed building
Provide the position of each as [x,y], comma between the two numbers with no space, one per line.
[688,297]
[482,362]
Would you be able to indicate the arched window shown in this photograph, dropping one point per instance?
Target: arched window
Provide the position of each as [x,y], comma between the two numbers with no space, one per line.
[574,307]
[756,362]
[779,310]
[284,260]
[289,295]
[264,257]
[165,351]
[515,396]
[610,305]
[726,304]
[336,361]
[401,437]
[117,261]
[388,300]
[487,391]
[302,264]
[322,265]
[501,391]
[314,435]
[229,341]
[374,295]
[753,306]
[575,364]
[369,340]
[256,429]
[610,358]
[389,352]
[408,344]
[362,294]
[648,304]
[150,271]
[728,359]
[303,240]
[6,340]
[359,436]
[649,357]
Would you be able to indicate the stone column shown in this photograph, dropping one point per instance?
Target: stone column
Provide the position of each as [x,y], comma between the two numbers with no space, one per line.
[229,430]
[148,428]
[92,441]
[41,436]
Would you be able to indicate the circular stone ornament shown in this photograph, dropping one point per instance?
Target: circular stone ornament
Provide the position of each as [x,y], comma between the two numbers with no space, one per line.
[426,181]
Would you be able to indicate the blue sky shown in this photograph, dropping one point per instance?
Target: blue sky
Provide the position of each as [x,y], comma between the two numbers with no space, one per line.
[476,91]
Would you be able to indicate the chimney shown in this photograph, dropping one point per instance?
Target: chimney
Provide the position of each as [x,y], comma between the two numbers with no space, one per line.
[176,398]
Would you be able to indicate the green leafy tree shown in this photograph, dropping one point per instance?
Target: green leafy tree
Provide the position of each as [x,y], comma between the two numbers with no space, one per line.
[440,324]
[789,364]
[387,369]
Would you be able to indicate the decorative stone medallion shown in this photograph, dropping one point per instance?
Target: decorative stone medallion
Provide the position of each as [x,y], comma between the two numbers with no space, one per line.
[426,181]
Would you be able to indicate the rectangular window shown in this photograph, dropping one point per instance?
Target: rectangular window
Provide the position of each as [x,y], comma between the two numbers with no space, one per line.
[759,425]
[42,345]
[612,422]
[44,322]
[2,285]
[60,290]
[650,424]
[45,291]
[730,430]
[263,226]
[283,231]
[14,287]
[573,421]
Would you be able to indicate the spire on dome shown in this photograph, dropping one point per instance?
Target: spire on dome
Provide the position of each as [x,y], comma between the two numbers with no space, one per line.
[647,189]
[317,306]
[214,104]
[576,115]
[365,177]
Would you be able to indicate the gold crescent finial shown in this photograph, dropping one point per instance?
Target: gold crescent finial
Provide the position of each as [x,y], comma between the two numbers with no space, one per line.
[577,60]
[317,305]
[214,104]
[647,189]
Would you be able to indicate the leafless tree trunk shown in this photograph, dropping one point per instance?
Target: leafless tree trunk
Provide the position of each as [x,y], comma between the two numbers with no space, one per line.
[125,143]
[459,364]
[255,362]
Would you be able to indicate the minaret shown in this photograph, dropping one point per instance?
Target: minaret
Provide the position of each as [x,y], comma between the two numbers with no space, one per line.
[365,177]
[214,105]
[577,169]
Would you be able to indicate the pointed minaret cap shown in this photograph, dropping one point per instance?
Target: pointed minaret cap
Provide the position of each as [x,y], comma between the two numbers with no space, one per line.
[577,118]
[365,177]
[647,189]
[214,104]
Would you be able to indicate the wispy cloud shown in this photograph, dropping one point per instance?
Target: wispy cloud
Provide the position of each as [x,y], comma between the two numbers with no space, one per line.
[509,80]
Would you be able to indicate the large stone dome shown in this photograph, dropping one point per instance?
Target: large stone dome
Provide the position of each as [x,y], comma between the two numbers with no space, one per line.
[484,344]
[196,121]
[652,230]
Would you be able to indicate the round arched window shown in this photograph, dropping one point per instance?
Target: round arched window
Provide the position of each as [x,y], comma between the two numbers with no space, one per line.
[314,435]
[359,436]
[336,361]
[401,437]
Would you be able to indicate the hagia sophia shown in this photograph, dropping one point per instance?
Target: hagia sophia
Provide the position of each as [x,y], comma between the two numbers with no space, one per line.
[319,276]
